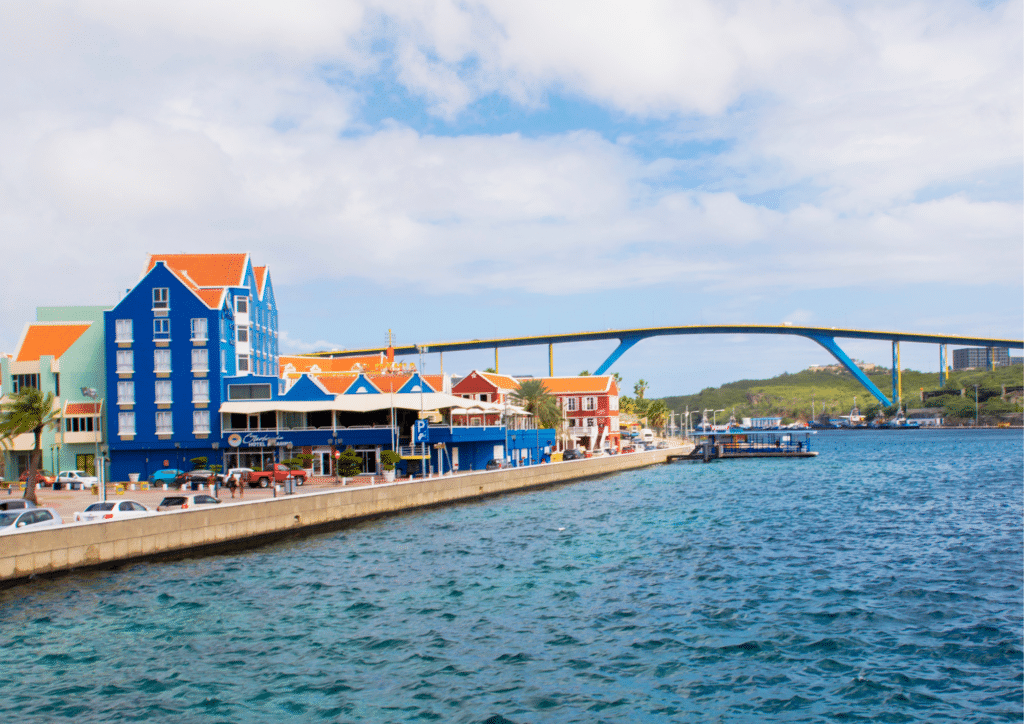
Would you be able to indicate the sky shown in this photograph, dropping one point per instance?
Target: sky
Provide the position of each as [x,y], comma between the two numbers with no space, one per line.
[465,170]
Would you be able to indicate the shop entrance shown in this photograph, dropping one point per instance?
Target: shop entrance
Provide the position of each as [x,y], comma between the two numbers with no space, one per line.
[255,458]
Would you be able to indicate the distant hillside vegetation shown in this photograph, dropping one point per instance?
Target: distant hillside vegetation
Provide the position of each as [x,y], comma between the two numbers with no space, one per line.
[791,395]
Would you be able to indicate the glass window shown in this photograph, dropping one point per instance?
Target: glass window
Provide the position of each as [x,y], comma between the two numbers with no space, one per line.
[590,422]
[200,390]
[242,305]
[223,361]
[123,330]
[20,381]
[126,423]
[243,363]
[243,333]
[161,360]
[589,403]
[125,392]
[249,392]
[160,298]
[200,360]
[162,328]
[163,392]
[164,423]
[200,421]
[570,404]
[125,361]
[199,328]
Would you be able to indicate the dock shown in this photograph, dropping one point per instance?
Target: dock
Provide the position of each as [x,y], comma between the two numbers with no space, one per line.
[737,445]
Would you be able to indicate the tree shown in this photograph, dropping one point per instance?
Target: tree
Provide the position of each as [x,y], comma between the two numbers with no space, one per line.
[585,373]
[350,463]
[640,388]
[533,397]
[657,413]
[29,411]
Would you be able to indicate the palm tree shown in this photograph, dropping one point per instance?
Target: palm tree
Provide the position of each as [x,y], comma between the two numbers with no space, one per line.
[657,412]
[29,411]
[533,397]
[640,388]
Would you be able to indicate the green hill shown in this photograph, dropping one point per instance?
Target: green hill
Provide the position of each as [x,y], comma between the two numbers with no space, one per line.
[793,396]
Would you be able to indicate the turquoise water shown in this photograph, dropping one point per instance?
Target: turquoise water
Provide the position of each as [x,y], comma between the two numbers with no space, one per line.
[881,581]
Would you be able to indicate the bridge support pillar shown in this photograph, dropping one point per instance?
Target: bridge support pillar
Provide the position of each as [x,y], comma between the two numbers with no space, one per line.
[624,344]
[942,365]
[829,343]
[551,360]
[897,374]
[496,370]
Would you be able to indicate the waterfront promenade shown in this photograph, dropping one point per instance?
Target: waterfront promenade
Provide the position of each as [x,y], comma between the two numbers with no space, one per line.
[261,517]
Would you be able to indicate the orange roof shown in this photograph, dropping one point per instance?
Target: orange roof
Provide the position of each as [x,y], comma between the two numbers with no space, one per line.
[578,385]
[260,272]
[206,270]
[389,383]
[81,408]
[336,384]
[329,365]
[502,382]
[49,339]
[213,298]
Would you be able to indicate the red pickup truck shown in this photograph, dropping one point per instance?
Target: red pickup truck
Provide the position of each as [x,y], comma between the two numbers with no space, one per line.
[276,474]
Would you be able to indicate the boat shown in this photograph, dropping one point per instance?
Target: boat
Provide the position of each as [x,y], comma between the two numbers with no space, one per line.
[712,445]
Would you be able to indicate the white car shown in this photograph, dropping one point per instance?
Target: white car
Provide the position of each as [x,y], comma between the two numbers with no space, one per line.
[186,502]
[76,479]
[20,521]
[112,510]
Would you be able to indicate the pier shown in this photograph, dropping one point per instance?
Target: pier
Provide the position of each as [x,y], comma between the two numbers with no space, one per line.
[735,445]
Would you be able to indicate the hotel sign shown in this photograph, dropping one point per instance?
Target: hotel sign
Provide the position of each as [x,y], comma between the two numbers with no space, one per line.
[254,440]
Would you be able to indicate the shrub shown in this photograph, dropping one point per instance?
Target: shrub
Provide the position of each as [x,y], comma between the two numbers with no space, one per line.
[389,459]
[199,463]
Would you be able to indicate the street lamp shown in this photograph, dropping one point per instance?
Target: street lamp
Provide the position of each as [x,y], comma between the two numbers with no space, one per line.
[93,395]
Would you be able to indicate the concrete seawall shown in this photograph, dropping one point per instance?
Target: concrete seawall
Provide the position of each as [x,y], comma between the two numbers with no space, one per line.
[80,546]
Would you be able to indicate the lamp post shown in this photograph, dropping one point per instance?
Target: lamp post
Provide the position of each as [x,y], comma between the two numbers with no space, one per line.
[93,395]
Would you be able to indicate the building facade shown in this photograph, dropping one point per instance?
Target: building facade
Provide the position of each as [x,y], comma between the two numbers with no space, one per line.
[190,325]
[62,353]
[970,358]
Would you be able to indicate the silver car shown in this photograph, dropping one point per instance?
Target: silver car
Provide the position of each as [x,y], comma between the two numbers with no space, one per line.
[20,521]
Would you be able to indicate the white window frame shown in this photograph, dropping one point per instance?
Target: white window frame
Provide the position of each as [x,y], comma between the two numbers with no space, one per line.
[123,330]
[125,361]
[200,422]
[613,402]
[126,423]
[164,422]
[161,298]
[242,334]
[200,360]
[241,305]
[243,364]
[163,392]
[591,422]
[159,354]
[125,392]
[571,404]
[589,404]
[199,329]
[200,391]
[162,329]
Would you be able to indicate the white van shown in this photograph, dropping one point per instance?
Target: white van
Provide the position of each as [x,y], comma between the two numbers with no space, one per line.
[647,436]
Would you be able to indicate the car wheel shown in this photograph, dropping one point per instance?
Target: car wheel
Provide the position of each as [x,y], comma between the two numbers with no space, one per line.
[299,481]
[264,482]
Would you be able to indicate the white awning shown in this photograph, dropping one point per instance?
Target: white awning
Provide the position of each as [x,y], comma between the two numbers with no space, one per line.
[359,403]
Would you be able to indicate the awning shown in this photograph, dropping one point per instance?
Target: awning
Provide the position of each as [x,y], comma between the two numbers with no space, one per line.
[358,403]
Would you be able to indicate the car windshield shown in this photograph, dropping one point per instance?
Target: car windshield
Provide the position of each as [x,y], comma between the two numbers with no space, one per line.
[172,501]
[99,506]
[7,519]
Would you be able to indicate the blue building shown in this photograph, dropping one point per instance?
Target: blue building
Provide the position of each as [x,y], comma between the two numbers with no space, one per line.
[192,322]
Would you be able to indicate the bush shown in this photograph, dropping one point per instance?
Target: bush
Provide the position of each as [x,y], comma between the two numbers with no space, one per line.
[389,459]
[349,464]
[199,463]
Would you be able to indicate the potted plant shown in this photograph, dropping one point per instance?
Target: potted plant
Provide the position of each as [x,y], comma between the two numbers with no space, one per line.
[306,460]
[388,460]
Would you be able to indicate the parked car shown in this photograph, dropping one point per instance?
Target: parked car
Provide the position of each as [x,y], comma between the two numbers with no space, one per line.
[76,479]
[19,521]
[277,473]
[493,464]
[16,504]
[573,454]
[112,510]
[203,477]
[186,502]
[167,475]
[43,477]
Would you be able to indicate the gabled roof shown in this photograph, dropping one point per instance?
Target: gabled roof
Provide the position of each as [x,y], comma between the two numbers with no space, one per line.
[260,272]
[48,339]
[580,385]
[417,383]
[206,270]
[362,385]
[502,382]
[390,383]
